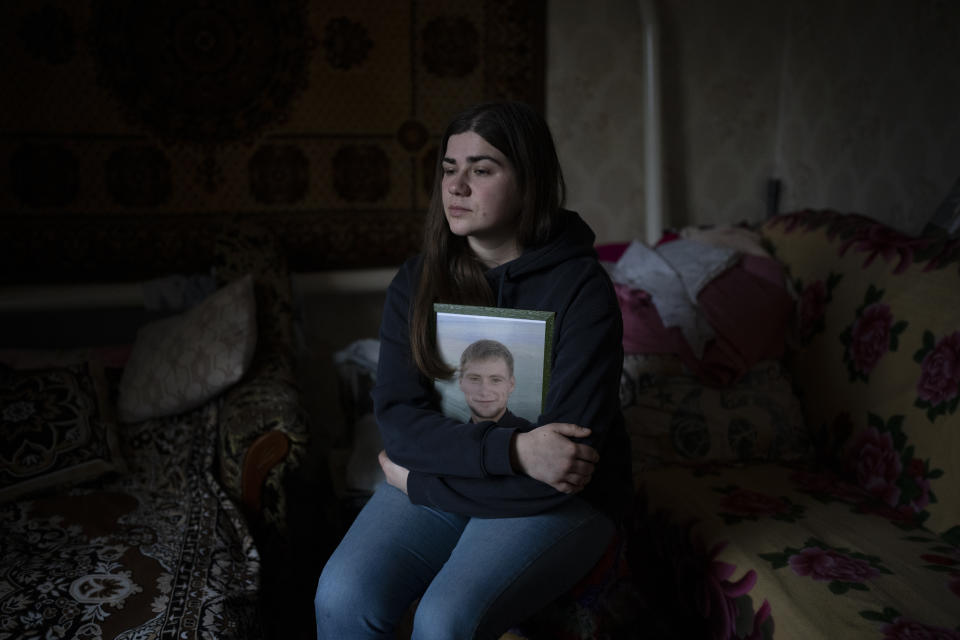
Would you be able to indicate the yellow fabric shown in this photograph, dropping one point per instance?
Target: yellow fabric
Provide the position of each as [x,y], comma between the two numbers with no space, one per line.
[877,310]
[765,510]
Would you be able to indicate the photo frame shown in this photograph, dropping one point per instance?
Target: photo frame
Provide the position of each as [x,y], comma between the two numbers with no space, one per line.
[526,334]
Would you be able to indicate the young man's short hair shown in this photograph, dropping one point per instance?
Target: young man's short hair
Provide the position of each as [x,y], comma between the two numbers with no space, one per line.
[486,350]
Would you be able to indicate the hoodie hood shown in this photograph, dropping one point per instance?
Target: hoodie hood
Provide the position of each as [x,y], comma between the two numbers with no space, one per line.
[573,239]
[447,457]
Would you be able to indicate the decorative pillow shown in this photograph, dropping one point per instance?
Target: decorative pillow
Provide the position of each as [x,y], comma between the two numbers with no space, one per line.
[878,364]
[180,363]
[56,427]
[674,418]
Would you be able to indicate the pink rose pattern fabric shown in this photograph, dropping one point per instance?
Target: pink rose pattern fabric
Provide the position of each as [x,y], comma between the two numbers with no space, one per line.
[813,304]
[876,465]
[841,568]
[872,334]
[744,504]
[880,462]
[876,472]
[938,389]
[893,626]
[846,570]
[880,240]
[860,234]
[943,557]
[829,566]
[826,487]
[905,629]
[878,327]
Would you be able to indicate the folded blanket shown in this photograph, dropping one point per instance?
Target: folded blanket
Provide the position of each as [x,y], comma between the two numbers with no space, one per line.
[717,307]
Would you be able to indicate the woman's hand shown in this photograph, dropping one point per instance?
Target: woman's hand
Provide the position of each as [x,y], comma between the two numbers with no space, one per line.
[396,475]
[549,455]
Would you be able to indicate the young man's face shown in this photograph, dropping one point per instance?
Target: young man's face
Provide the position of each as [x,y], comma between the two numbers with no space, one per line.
[486,386]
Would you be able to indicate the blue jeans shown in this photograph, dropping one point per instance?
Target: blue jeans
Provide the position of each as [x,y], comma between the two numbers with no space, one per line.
[476,577]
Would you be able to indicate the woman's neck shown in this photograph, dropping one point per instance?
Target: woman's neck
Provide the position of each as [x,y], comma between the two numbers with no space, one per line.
[494,254]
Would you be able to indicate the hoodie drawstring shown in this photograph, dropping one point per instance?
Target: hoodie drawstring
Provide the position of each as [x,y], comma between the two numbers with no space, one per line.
[503,276]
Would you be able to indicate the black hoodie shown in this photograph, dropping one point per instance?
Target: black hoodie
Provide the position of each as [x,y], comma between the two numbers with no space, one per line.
[465,467]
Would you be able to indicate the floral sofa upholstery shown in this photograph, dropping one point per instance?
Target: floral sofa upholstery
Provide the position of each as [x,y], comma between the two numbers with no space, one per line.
[144,490]
[818,496]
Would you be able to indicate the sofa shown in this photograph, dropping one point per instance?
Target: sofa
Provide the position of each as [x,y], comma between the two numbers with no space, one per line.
[147,486]
[797,476]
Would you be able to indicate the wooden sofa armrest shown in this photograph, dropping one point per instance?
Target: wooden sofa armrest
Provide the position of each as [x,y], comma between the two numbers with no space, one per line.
[264,453]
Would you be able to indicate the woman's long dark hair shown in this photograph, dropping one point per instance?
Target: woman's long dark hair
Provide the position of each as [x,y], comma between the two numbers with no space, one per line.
[450,271]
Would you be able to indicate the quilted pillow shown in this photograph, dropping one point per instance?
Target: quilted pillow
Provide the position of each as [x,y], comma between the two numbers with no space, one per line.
[57,427]
[180,363]
[879,358]
[674,418]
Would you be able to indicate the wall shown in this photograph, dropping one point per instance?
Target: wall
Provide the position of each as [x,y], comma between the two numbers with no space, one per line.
[851,104]
[131,131]
[871,107]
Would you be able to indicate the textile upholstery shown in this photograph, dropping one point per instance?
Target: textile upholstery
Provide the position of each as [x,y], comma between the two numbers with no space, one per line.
[675,418]
[295,520]
[878,369]
[129,556]
[265,401]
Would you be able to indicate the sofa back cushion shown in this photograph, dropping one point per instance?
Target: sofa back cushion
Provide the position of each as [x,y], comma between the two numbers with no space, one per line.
[673,418]
[179,363]
[878,359]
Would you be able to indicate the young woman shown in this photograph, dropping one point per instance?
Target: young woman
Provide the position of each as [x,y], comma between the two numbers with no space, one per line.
[487,523]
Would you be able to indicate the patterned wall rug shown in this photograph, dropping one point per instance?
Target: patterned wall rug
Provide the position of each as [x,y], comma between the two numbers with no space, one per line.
[137,129]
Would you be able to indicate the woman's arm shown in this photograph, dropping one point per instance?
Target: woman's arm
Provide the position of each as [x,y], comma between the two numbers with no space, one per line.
[549,455]
[416,435]
[546,454]
[584,390]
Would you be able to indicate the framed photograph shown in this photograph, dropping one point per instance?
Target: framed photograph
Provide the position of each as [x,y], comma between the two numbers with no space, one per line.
[501,358]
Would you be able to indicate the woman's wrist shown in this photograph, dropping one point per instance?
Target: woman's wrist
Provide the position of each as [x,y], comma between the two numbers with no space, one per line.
[515,456]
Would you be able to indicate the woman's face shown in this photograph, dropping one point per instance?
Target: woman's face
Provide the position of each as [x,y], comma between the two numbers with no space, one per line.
[481,198]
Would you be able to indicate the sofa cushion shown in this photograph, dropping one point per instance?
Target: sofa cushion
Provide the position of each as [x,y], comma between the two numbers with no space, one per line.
[878,363]
[181,362]
[807,549]
[160,547]
[57,427]
[673,418]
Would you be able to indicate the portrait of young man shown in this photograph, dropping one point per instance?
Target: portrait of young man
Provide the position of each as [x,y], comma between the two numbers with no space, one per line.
[486,379]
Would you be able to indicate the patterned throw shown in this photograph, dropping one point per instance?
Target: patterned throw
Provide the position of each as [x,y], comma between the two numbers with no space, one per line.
[168,554]
[57,427]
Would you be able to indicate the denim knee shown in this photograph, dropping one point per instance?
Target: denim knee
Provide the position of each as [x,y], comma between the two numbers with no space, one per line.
[328,606]
[339,608]
[443,619]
